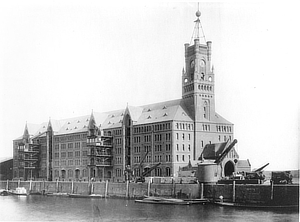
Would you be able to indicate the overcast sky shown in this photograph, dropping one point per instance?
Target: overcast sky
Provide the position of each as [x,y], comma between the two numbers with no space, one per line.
[61,60]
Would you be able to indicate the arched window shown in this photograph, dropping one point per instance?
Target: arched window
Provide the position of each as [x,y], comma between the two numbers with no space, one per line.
[168,171]
[63,174]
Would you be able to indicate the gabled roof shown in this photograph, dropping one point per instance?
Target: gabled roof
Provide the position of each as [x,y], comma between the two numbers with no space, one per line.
[219,119]
[173,110]
[243,163]
[212,151]
[164,111]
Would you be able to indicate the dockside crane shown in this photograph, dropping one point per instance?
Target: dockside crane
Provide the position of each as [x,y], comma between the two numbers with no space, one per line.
[220,158]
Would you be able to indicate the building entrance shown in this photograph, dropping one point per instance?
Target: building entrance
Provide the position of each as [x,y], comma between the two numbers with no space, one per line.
[229,168]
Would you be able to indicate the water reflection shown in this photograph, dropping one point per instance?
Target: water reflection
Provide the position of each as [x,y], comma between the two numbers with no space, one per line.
[43,208]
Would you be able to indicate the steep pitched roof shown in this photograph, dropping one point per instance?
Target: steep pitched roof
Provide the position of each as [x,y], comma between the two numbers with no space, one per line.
[212,151]
[151,113]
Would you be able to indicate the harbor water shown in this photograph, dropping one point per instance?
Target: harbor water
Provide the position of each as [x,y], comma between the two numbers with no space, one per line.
[55,208]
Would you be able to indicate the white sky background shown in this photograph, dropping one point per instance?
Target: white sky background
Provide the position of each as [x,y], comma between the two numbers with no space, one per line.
[62,60]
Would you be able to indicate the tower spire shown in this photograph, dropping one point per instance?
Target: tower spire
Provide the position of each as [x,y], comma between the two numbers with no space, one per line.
[198,28]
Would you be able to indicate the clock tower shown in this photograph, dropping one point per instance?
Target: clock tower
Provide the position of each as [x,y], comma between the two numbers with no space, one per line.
[198,86]
[198,78]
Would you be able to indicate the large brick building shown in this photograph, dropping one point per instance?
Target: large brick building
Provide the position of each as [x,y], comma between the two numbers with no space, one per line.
[103,145]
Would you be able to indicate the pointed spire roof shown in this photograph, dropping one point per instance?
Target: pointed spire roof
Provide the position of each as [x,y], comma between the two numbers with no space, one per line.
[49,128]
[92,122]
[26,133]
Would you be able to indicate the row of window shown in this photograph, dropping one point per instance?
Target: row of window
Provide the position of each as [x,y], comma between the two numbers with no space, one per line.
[158,172]
[224,129]
[70,154]
[63,146]
[76,162]
[183,147]
[183,137]
[70,173]
[118,150]
[118,132]
[118,141]
[184,126]
[70,137]
[182,159]
[150,128]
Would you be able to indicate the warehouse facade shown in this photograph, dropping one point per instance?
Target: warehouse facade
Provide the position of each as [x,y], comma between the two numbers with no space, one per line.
[125,143]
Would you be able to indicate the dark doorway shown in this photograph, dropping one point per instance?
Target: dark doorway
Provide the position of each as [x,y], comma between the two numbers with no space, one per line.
[229,168]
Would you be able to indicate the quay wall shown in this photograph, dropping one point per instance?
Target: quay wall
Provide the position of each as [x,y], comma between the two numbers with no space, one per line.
[249,193]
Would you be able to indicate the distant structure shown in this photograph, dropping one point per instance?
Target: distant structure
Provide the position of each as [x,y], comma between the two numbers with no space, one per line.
[6,169]
[120,144]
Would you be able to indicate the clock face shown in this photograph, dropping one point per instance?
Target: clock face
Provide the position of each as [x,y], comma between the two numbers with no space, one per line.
[202,63]
[192,64]
[209,79]
[185,80]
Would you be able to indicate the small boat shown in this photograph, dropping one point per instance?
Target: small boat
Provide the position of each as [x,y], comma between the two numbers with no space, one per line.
[251,205]
[86,196]
[20,191]
[4,192]
[57,194]
[161,200]
[197,201]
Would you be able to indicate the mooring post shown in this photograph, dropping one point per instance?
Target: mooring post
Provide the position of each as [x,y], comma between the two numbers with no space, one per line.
[233,191]
[272,189]
[19,182]
[202,191]
[92,188]
[106,188]
[7,185]
[72,187]
[149,187]
[30,185]
[57,187]
[174,187]
[127,188]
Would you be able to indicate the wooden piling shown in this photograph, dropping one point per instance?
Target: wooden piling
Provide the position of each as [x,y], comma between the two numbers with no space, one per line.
[127,188]
[233,191]
[57,186]
[149,187]
[30,185]
[72,187]
[272,189]
[7,185]
[202,191]
[106,188]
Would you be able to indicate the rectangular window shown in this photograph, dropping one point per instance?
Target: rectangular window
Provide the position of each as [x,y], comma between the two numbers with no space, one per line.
[77,153]
[63,155]
[70,145]
[77,145]
[56,155]
[70,154]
